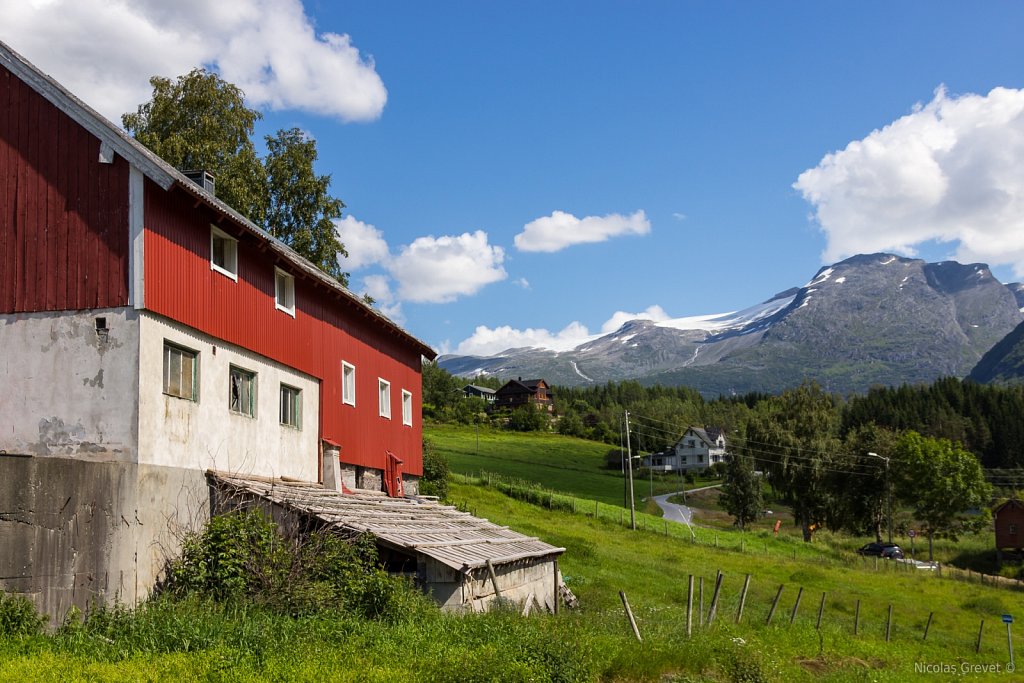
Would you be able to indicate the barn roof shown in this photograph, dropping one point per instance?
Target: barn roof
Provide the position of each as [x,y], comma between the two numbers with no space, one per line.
[414,525]
[168,177]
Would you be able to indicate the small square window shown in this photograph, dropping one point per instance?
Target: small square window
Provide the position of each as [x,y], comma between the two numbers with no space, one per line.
[291,406]
[406,408]
[284,292]
[180,365]
[1013,528]
[384,397]
[223,253]
[242,392]
[348,383]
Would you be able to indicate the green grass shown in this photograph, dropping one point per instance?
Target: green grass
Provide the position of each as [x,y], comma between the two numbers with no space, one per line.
[560,463]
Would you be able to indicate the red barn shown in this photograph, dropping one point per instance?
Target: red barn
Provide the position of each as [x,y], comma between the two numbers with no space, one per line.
[149,333]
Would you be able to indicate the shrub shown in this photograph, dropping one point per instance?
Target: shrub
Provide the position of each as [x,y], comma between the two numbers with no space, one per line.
[18,616]
[527,419]
[435,472]
[243,556]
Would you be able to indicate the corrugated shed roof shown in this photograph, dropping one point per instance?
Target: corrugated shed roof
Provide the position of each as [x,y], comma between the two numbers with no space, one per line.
[441,532]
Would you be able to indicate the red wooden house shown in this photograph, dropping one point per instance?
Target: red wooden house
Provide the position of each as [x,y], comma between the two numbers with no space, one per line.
[151,331]
[1009,524]
[521,392]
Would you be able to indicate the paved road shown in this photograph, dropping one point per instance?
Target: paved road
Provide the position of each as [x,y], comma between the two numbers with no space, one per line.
[675,512]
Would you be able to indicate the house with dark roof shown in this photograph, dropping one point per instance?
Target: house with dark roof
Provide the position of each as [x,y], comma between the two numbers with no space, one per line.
[1008,520]
[521,392]
[697,449]
[486,393]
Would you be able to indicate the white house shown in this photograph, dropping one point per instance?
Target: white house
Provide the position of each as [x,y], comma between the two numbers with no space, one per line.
[696,450]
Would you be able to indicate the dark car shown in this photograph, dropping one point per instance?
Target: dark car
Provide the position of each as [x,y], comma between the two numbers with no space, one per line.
[892,553]
[876,548]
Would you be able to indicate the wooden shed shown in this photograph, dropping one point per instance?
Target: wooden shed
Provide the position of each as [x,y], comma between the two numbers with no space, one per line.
[1009,524]
[463,562]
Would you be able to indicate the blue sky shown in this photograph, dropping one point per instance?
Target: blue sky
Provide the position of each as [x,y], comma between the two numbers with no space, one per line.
[676,133]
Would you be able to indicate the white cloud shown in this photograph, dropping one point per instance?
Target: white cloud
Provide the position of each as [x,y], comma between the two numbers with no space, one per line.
[105,52]
[679,216]
[620,318]
[488,342]
[379,287]
[522,282]
[561,229]
[364,243]
[950,171]
[440,269]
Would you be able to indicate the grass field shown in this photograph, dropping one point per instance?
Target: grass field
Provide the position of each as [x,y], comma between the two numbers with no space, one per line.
[560,463]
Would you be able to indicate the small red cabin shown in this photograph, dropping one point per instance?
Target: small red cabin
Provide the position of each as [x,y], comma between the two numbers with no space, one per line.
[1009,524]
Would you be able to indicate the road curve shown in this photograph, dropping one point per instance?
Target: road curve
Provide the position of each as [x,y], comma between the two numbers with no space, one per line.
[675,512]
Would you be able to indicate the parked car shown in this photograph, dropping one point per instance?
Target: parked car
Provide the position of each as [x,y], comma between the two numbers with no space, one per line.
[876,548]
[892,553]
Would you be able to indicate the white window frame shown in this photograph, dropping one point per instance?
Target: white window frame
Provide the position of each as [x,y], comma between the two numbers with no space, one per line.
[406,407]
[184,352]
[245,411]
[295,401]
[384,397]
[230,267]
[348,393]
[289,291]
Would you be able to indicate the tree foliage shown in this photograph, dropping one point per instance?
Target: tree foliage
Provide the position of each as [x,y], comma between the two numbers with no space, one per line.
[942,483]
[301,210]
[741,490]
[200,122]
[794,439]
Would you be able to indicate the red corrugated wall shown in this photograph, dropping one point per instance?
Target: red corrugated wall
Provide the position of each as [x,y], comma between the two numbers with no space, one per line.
[180,285]
[63,214]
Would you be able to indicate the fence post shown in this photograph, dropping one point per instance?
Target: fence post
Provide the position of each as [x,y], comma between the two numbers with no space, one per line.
[714,598]
[888,624]
[700,593]
[977,645]
[928,625]
[743,599]
[689,608]
[856,618]
[821,608]
[775,603]
[596,516]
[796,605]
[629,613]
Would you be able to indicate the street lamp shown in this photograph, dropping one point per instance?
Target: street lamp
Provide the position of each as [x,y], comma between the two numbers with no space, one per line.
[888,489]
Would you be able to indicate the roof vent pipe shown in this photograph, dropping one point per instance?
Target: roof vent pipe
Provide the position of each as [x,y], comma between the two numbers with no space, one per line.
[203,179]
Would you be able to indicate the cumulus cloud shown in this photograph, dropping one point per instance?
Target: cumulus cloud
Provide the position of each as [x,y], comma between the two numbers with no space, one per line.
[522,282]
[364,243]
[379,287]
[105,52]
[620,318]
[440,269]
[561,230]
[950,171]
[488,342]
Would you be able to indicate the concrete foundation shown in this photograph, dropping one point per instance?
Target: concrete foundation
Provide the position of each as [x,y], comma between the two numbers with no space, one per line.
[77,532]
[369,479]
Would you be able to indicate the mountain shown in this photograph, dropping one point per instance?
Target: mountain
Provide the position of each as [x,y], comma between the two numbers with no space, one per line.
[1004,362]
[871,319]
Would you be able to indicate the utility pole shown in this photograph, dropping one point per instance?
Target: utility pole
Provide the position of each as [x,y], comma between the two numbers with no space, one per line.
[629,464]
[888,489]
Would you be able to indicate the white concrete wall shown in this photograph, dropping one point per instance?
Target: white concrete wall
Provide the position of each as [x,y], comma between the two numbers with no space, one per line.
[68,390]
[203,434]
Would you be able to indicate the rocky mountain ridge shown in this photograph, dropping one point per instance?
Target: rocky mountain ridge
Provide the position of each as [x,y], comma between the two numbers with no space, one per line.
[870,319]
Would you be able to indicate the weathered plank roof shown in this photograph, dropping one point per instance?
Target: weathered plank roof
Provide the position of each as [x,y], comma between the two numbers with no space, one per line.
[441,532]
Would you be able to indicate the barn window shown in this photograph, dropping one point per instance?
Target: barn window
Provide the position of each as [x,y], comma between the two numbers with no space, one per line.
[348,383]
[384,397]
[1013,528]
[406,408]
[180,365]
[291,406]
[242,392]
[223,253]
[284,292]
